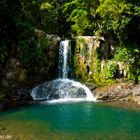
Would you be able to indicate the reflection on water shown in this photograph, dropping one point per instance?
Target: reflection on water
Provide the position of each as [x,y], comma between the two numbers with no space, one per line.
[71,121]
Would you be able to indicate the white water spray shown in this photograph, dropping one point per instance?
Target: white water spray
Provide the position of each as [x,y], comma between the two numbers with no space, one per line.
[63,58]
[62,89]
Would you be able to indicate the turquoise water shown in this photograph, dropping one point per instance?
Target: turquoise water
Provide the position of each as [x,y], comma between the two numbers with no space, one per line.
[70,121]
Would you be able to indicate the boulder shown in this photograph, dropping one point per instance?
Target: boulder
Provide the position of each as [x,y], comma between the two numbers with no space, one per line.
[23,92]
[13,73]
[46,68]
[117,91]
[91,86]
[39,33]
[136,90]
[59,89]
[136,93]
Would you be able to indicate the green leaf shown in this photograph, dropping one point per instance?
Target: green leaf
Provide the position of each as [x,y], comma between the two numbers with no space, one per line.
[46,5]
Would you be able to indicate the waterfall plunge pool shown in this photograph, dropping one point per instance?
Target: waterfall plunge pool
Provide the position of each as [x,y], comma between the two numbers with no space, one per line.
[70,121]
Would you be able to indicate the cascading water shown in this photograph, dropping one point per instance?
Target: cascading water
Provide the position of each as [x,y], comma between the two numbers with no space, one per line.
[62,89]
[64,52]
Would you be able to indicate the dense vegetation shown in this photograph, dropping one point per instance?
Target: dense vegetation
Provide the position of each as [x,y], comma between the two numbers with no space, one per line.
[117,20]
[111,18]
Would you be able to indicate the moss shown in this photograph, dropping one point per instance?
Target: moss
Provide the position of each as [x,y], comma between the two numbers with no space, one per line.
[95,65]
[98,53]
[80,59]
[43,42]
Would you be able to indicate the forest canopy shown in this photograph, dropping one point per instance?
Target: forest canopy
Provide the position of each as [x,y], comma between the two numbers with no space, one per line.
[73,17]
[114,19]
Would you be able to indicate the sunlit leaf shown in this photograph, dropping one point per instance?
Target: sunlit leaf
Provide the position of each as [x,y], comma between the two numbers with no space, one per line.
[46,5]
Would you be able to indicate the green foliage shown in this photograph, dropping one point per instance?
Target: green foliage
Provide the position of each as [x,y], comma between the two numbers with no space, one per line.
[114,19]
[45,5]
[98,65]
[115,15]
[83,47]
[110,70]
[81,14]
[33,51]
[2,97]
[137,10]
[130,55]
[122,54]
[126,54]
[81,22]
[103,17]
[98,53]
[17,23]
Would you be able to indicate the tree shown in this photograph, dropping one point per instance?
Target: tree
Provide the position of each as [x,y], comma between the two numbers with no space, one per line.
[81,14]
[118,16]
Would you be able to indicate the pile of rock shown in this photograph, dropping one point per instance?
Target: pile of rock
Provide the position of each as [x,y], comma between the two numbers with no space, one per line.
[119,91]
[136,93]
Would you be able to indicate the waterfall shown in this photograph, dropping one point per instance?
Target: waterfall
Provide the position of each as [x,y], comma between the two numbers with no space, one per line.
[62,89]
[64,52]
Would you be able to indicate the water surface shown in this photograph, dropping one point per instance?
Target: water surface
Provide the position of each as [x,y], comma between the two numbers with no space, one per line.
[70,121]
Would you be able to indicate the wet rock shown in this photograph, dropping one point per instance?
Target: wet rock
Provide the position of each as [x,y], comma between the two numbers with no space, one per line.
[117,91]
[13,64]
[46,69]
[10,75]
[91,86]
[1,107]
[23,91]
[39,33]
[59,89]
[53,39]
[94,58]
[136,90]
[13,73]
[22,77]
[136,93]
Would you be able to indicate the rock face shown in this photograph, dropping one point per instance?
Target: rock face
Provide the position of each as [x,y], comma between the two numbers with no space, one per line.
[100,61]
[136,93]
[19,76]
[91,86]
[17,71]
[94,59]
[13,83]
[48,67]
[119,91]
[14,71]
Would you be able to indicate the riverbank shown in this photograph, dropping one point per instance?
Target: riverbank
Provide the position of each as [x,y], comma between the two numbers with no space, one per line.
[129,105]
[124,95]
[129,92]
